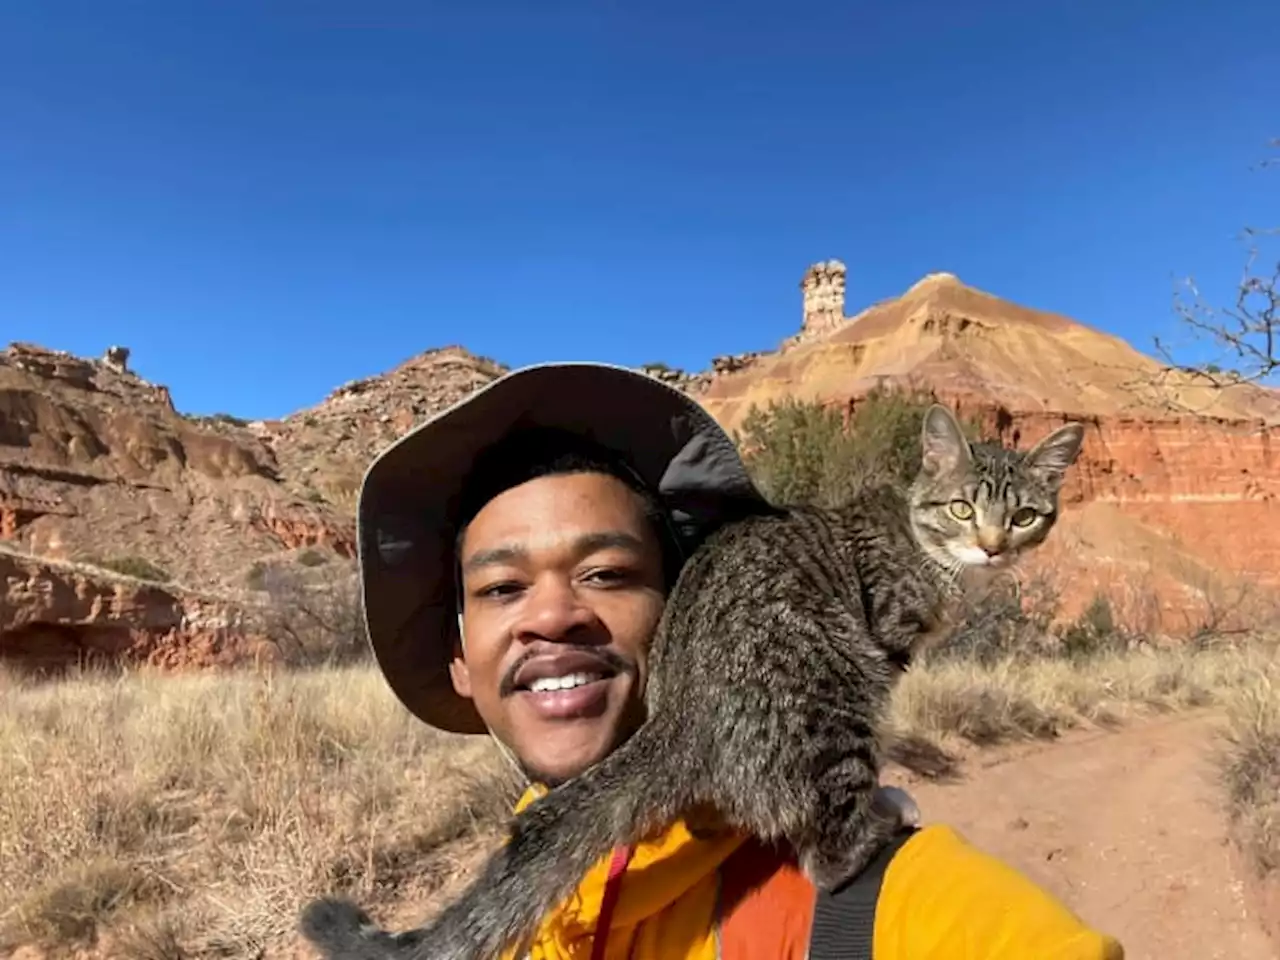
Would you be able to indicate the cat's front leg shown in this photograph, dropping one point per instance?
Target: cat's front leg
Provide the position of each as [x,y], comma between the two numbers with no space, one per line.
[846,847]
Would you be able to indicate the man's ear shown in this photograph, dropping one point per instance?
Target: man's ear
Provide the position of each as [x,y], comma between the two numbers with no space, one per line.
[459,673]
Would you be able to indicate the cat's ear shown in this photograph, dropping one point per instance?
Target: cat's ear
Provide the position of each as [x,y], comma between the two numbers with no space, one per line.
[943,444]
[1050,458]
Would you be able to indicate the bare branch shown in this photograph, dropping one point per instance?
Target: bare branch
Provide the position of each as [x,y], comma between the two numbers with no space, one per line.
[1245,334]
[314,617]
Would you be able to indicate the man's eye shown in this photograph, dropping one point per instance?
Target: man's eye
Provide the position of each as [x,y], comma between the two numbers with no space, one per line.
[607,575]
[498,590]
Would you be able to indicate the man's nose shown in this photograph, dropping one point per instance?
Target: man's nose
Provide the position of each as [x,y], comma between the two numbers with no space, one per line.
[554,611]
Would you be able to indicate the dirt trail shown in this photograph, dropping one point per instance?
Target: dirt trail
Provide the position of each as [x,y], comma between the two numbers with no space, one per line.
[1126,827]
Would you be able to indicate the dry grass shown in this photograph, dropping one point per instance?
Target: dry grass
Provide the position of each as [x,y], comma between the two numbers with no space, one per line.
[191,816]
[1250,764]
[200,811]
[1014,699]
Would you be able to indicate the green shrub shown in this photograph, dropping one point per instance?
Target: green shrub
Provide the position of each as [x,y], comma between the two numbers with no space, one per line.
[1007,623]
[804,452]
[134,566]
[1094,633]
[256,578]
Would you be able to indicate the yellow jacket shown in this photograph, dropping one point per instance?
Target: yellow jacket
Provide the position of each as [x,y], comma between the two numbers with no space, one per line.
[726,898]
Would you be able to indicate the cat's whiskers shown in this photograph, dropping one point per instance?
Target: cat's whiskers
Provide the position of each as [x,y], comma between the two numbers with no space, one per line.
[938,561]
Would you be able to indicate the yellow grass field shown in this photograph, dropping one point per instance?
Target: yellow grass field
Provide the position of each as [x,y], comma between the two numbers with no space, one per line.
[175,817]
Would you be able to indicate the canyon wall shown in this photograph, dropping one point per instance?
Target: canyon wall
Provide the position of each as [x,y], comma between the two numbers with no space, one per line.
[1172,510]
[55,615]
[99,472]
[1177,489]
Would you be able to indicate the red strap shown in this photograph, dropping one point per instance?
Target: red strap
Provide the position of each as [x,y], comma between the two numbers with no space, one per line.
[612,887]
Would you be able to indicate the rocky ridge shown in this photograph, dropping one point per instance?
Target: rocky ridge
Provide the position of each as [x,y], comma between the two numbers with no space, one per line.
[1176,491]
[323,451]
[99,472]
[95,461]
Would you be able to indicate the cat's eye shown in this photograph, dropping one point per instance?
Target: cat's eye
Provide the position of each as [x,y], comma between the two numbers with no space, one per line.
[961,509]
[1024,517]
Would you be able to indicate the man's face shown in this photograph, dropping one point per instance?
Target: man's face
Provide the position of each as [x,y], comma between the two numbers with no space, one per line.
[562,590]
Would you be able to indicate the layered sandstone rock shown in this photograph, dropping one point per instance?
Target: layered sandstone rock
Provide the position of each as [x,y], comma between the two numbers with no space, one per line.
[1172,507]
[96,463]
[823,290]
[53,615]
[1178,485]
[97,467]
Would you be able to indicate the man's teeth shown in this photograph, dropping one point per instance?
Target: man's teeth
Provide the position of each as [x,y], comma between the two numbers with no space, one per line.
[545,684]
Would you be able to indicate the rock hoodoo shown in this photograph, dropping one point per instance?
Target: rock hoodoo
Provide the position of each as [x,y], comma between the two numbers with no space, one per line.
[117,358]
[822,288]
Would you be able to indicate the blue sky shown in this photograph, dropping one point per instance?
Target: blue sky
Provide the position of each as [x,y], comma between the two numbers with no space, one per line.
[265,199]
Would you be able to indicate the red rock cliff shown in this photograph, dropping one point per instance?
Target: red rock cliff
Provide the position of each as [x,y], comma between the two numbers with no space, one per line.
[97,467]
[95,462]
[1178,485]
[56,614]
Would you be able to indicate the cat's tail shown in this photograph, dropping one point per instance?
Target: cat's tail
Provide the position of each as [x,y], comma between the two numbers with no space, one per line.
[556,840]
[553,843]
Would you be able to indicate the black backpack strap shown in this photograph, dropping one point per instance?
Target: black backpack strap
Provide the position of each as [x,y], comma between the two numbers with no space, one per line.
[844,919]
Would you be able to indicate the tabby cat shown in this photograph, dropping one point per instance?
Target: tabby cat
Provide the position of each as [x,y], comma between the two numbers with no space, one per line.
[770,675]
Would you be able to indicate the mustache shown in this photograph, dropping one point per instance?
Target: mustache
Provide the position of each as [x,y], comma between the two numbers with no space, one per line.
[608,658]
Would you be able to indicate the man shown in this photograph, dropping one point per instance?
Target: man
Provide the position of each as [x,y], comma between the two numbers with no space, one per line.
[516,552]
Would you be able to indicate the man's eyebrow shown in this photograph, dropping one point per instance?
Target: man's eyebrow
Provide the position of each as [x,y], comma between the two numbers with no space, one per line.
[608,538]
[495,555]
[587,543]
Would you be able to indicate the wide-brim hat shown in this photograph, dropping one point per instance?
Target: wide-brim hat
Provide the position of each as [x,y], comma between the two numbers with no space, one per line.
[407,519]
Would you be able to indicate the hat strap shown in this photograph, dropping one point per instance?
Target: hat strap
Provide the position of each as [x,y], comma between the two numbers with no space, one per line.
[507,753]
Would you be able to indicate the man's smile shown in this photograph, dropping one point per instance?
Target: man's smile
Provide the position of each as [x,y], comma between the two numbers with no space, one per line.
[565,684]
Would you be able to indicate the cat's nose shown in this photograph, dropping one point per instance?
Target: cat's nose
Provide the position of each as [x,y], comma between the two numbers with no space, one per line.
[992,542]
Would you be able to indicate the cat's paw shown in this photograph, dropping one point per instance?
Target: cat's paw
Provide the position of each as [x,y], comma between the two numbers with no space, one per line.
[848,849]
[896,803]
[327,915]
[339,928]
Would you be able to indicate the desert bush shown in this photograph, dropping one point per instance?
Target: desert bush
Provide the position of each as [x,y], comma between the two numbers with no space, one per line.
[131,565]
[256,577]
[804,452]
[1021,622]
[1011,621]
[1246,333]
[312,557]
[314,615]
[1095,632]
[1250,767]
